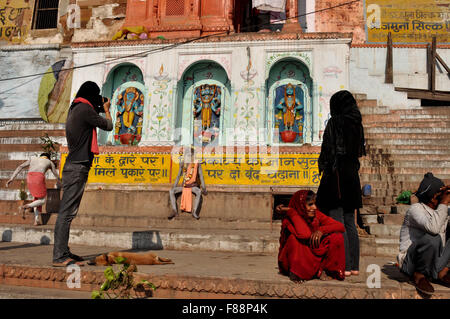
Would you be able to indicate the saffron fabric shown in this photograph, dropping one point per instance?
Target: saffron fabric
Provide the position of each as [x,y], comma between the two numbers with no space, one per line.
[295,254]
[36,184]
[189,181]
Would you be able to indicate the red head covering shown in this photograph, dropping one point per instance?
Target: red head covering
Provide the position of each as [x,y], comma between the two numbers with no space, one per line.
[298,204]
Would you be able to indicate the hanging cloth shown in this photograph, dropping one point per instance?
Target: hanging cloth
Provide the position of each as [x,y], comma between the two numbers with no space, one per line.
[270,5]
[189,181]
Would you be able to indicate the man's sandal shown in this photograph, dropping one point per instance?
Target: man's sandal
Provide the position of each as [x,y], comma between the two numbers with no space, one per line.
[68,262]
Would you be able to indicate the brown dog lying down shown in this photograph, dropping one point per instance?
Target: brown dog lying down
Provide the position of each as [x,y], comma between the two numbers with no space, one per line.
[131,258]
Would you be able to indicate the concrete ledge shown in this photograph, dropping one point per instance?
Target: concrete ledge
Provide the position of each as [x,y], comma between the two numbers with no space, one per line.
[184,286]
[217,240]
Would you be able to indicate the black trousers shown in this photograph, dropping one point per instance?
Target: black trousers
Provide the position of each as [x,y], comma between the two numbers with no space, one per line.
[74,178]
[427,256]
[351,238]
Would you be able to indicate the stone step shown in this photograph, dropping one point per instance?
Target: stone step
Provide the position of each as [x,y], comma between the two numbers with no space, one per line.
[393,219]
[407,130]
[383,230]
[387,246]
[32,133]
[367,110]
[377,201]
[404,157]
[437,110]
[21,148]
[362,103]
[431,164]
[434,142]
[359,96]
[420,151]
[19,156]
[396,117]
[12,195]
[23,139]
[395,171]
[445,137]
[226,240]
[15,185]
[31,125]
[387,123]
[6,174]
[367,178]
[145,238]
[383,192]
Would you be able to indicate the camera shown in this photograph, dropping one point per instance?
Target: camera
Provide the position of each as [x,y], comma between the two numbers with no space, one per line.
[442,192]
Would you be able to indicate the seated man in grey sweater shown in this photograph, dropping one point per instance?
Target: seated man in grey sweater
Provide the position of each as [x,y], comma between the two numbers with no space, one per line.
[424,252]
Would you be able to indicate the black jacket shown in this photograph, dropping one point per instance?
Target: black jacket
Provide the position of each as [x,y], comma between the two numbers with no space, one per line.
[81,121]
[343,143]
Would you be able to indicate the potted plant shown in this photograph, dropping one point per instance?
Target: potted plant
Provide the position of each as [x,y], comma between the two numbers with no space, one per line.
[22,198]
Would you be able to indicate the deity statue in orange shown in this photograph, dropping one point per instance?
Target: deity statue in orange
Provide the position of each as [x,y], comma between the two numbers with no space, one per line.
[289,111]
[207,102]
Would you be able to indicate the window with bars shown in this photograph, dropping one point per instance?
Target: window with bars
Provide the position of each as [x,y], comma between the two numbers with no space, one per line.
[46,14]
[174,7]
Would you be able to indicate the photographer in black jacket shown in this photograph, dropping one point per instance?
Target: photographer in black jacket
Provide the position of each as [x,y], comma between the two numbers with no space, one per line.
[82,120]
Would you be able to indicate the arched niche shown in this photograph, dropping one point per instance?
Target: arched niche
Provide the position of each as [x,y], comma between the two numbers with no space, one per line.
[128,108]
[289,108]
[120,74]
[202,115]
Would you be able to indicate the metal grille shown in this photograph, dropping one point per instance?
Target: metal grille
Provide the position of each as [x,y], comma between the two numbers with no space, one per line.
[174,7]
[46,14]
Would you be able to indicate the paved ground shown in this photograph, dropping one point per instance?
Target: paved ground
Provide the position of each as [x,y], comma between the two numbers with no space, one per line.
[203,265]
[191,263]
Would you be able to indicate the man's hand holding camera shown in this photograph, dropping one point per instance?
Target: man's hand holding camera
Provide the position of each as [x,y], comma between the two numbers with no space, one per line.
[106,106]
[444,195]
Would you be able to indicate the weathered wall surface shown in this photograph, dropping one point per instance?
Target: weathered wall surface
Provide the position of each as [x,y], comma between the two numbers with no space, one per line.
[27,51]
[15,20]
[18,98]
[349,18]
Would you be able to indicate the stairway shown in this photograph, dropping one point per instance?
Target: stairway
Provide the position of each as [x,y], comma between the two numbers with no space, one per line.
[402,145]
[19,140]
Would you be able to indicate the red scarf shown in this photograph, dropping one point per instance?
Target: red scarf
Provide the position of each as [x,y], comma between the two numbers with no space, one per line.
[94,144]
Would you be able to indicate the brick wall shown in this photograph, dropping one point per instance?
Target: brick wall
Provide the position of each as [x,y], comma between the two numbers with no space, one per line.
[349,18]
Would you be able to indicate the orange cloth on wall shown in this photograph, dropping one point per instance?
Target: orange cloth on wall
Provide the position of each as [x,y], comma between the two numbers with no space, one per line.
[189,179]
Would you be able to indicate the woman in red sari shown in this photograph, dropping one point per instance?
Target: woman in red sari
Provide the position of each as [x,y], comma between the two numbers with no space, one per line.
[311,243]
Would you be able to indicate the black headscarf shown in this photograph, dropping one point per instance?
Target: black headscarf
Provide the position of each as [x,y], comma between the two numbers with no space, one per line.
[91,92]
[429,186]
[344,133]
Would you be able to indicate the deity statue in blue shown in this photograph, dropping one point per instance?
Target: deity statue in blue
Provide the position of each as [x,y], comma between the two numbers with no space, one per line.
[289,113]
[129,117]
[207,102]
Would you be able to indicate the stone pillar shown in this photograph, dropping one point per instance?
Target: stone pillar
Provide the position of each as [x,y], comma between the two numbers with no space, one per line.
[217,16]
[292,24]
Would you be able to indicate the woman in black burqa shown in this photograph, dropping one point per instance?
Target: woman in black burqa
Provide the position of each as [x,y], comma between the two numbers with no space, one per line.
[339,193]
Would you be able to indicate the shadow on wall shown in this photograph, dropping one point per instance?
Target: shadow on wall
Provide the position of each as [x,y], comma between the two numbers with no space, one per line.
[147,240]
[7,235]
[45,240]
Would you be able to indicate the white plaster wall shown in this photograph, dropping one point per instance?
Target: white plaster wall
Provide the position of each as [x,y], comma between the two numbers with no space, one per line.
[409,65]
[19,98]
[328,67]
